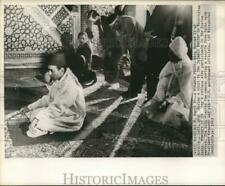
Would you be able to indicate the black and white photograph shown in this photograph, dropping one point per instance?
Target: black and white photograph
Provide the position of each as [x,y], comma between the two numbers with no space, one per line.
[85,80]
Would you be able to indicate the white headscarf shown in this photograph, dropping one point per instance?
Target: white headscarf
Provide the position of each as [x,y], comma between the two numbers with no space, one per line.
[179,47]
[185,79]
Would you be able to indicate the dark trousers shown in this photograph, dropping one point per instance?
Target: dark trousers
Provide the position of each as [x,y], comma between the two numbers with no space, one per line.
[137,77]
[111,60]
[157,58]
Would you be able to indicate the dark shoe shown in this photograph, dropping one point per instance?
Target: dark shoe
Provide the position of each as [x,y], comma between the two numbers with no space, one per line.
[90,79]
[88,83]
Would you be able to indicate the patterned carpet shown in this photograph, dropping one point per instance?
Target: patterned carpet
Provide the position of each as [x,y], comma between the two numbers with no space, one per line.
[112,127]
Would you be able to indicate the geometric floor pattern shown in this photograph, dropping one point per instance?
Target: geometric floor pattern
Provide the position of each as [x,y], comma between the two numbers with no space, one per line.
[114,127]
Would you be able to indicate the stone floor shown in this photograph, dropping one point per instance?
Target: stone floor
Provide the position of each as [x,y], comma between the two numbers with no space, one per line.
[114,127]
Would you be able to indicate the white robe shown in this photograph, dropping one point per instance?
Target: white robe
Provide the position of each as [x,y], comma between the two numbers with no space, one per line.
[179,81]
[175,86]
[63,108]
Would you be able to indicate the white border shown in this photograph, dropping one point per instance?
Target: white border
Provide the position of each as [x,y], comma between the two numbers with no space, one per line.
[179,170]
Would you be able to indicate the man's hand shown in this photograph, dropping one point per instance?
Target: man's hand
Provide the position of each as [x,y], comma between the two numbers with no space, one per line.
[151,107]
[124,61]
[24,110]
[150,35]
[164,105]
[47,78]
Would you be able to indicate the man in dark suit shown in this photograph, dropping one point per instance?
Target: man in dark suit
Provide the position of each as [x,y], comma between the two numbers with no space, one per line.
[132,39]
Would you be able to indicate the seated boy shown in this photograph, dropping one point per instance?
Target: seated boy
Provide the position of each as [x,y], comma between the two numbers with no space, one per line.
[78,61]
[85,52]
[63,108]
[84,49]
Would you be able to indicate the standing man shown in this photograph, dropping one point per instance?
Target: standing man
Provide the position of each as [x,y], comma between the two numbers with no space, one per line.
[132,39]
[160,24]
[110,43]
[63,108]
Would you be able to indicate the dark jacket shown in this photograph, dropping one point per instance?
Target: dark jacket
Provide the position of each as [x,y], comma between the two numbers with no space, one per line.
[85,51]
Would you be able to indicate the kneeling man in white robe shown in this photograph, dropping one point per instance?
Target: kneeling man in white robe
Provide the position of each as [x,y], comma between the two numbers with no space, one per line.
[171,103]
[63,108]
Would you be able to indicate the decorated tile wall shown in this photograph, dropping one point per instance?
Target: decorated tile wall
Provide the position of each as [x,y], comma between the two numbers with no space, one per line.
[60,16]
[49,9]
[66,26]
[23,34]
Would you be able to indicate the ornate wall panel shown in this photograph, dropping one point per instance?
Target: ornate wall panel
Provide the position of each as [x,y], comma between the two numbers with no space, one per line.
[49,9]
[26,39]
[23,33]
[27,31]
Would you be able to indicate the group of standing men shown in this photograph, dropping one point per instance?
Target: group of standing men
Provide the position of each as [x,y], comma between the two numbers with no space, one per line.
[144,32]
[157,41]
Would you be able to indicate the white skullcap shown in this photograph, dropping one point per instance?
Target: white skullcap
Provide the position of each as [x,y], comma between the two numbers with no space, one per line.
[179,47]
